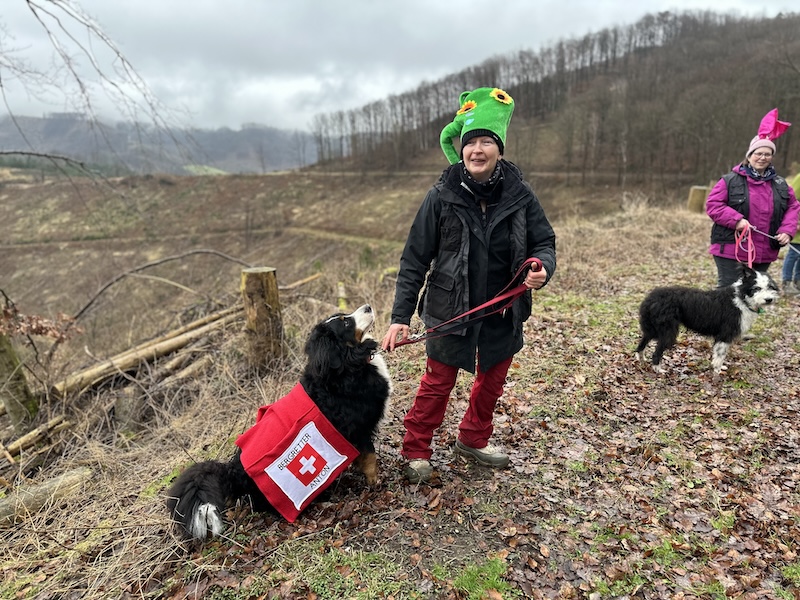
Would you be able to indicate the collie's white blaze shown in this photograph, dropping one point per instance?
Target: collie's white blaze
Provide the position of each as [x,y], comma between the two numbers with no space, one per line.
[206,518]
[764,292]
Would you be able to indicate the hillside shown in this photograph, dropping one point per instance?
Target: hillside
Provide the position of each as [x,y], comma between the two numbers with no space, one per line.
[119,148]
[623,483]
[64,239]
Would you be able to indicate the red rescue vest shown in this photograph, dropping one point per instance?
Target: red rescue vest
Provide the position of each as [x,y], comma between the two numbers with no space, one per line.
[293,452]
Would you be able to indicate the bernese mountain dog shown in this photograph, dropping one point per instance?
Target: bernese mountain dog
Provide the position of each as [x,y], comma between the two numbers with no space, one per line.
[725,314]
[303,441]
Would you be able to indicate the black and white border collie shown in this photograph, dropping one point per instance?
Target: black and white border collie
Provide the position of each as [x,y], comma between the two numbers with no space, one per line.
[349,382]
[724,313]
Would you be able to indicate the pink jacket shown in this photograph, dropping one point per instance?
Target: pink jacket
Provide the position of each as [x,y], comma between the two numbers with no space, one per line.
[761,207]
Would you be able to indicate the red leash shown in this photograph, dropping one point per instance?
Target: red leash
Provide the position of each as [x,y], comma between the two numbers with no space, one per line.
[505,298]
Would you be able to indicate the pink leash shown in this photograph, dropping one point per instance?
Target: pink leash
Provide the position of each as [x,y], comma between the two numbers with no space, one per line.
[505,298]
[745,239]
[745,242]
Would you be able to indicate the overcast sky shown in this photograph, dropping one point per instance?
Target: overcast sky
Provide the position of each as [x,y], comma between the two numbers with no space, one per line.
[279,62]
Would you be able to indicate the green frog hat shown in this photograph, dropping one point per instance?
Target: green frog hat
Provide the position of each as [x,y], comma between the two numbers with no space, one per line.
[484,111]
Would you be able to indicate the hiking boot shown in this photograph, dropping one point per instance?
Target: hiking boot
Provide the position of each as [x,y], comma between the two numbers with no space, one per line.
[790,288]
[488,456]
[418,470]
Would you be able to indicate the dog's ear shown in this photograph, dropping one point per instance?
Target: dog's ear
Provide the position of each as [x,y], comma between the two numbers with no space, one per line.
[360,354]
[323,351]
[747,272]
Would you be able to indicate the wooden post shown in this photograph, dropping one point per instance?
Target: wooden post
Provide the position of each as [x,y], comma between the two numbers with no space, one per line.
[21,405]
[262,310]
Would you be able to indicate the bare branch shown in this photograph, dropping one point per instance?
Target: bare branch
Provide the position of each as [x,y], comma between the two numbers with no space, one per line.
[88,66]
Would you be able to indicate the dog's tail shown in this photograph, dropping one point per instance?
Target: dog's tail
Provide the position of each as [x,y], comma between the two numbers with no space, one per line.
[199,495]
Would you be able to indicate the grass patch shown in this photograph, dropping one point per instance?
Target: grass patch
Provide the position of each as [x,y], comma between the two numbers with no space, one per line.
[620,587]
[318,569]
[791,573]
[476,581]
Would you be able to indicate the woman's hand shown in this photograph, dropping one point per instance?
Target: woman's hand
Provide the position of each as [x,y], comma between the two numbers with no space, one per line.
[390,339]
[783,238]
[535,279]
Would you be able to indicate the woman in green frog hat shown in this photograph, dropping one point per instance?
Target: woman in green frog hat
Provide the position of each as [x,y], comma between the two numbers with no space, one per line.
[476,227]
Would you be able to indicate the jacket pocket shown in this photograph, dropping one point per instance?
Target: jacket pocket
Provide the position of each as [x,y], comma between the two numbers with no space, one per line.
[450,237]
[522,308]
[440,296]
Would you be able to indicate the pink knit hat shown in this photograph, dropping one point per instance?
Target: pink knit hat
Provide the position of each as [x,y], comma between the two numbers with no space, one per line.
[770,129]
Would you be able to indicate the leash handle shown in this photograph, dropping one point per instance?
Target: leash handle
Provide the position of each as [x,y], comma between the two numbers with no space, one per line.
[743,240]
[507,295]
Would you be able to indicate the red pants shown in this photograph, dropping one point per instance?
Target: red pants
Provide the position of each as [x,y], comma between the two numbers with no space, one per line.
[430,404]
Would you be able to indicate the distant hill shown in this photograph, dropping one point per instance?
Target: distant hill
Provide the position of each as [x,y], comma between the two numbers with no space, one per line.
[675,96]
[123,147]
[672,95]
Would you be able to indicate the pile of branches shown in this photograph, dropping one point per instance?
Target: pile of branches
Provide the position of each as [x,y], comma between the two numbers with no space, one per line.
[185,350]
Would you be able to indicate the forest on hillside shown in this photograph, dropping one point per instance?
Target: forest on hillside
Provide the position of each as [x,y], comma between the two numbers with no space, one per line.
[672,94]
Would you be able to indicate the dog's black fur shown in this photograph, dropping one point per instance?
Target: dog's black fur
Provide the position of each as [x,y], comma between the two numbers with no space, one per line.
[349,382]
[723,313]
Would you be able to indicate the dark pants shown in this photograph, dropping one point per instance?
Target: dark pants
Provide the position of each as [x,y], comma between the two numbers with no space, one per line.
[729,270]
[430,404]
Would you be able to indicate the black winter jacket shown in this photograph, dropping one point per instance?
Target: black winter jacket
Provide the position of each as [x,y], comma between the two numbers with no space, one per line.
[463,263]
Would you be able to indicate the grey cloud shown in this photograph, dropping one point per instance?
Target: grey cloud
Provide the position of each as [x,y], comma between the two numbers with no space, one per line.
[279,63]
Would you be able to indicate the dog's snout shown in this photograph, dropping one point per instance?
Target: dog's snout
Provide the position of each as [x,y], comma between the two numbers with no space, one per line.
[367,308]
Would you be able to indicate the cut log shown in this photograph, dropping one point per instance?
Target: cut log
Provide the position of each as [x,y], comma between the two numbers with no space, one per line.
[6,454]
[28,499]
[190,370]
[296,284]
[341,294]
[131,359]
[36,436]
[194,325]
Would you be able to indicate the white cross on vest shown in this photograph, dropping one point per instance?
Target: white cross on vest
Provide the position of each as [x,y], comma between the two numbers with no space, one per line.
[308,464]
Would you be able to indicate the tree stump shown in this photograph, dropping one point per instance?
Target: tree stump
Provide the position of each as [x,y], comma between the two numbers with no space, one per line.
[697,198]
[21,405]
[263,322]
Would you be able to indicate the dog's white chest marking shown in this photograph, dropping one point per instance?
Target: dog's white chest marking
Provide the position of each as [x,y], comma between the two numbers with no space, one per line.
[380,364]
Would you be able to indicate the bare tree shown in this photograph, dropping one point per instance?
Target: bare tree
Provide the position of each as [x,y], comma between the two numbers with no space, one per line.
[87,72]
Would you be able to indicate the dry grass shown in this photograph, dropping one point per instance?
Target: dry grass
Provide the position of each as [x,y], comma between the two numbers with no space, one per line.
[115,540]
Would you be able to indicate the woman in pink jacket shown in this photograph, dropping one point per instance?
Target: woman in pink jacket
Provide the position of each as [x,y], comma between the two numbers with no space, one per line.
[752,199]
